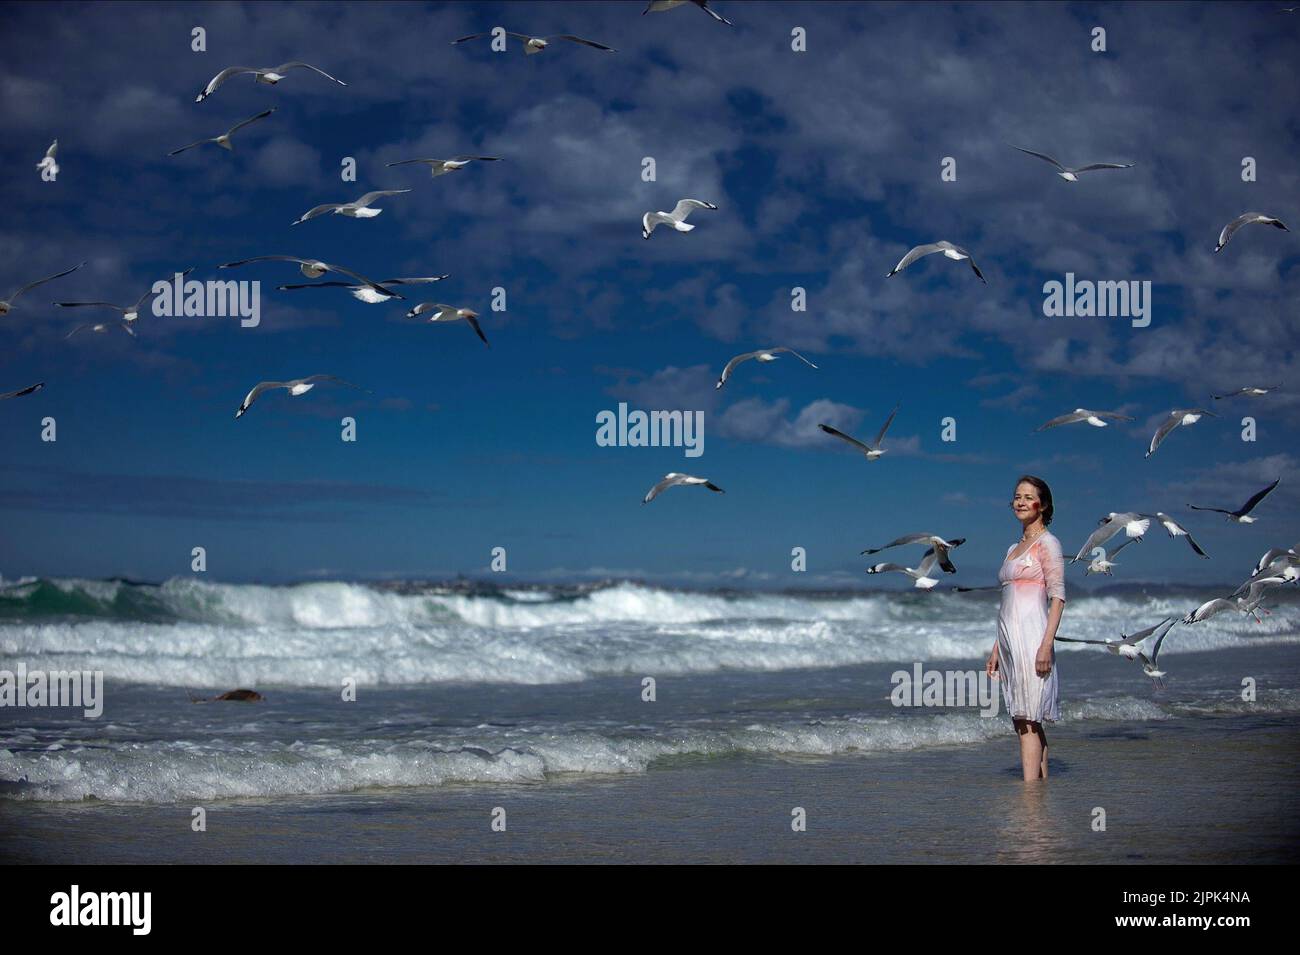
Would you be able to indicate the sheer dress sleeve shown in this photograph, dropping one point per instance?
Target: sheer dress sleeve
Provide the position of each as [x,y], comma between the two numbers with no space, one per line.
[1053,564]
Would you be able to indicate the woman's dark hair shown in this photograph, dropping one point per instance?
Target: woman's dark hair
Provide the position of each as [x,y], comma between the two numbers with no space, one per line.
[1044,494]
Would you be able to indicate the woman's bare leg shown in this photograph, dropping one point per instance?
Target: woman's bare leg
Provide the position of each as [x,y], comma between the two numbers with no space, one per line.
[1042,738]
[1031,754]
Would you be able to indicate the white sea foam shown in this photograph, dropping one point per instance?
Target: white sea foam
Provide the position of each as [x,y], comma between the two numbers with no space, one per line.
[224,768]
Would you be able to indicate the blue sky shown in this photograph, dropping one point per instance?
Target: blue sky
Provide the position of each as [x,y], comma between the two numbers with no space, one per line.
[826,169]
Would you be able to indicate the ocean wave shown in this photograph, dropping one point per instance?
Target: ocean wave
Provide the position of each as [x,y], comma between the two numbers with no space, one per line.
[169,772]
[190,633]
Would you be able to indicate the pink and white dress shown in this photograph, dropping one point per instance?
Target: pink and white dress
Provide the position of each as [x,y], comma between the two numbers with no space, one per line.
[1029,580]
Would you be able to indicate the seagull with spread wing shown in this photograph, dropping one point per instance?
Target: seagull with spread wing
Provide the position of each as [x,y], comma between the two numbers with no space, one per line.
[295,387]
[1071,173]
[536,44]
[763,355]
[224,139]
[873,450]
[673,479]
[950,251]
[1242,514]
[270,75]
[675,219]
[360,209]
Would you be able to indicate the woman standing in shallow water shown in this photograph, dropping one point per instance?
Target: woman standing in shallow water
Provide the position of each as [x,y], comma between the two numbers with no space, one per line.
[1033,598]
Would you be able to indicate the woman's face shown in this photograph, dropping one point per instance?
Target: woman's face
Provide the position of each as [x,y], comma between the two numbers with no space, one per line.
[1025,503]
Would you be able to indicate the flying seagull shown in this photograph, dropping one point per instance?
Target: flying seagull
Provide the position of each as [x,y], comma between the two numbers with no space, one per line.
[1249,391]
[1177,530]
[47,161]
[1280,569]
[955,252]
[938,545]
[920,573]
[1104,563]
[6,305]
[1246,218]
[353,210]
[872,450]
[129,312]
[1242,514]
[763,354]
[657,6]
[1274,553]
[1069,173]
[264,74]
[101,328]
[675,219]
[315,268]
[449,313]
[673,479]
[536,44]
[1149,664]
[440,167]
[296,387]
[1183,416]
[1094,418]
[1248,604]
[224,139]
[370,294]
[1126,645]
[1134,525]
[29,390]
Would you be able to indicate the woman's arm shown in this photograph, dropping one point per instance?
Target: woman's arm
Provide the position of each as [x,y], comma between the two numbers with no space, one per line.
[1053,564]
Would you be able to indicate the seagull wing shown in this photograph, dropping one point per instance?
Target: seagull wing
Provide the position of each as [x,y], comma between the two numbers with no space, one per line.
[271,258]
[684,207]
[200,142]
[1231,228]
[370,197]
[23,391]
[666,482]
[252,119]
[1257,497]
[921,250]
[1105,165]
[795,353]
[1070,418]
[1105,532]
[844,437]
[475,159]
[1168,425]
[477,36]
[363,280]
[318,211]
[652,219]
[731,366]
[316,379]
[256,392]
[905,539]
[473,323]
[221,77]
[704,5]
[117,308]
[1042,156]
[888,421]
[32,285]
[298,64]
[577,39]
[407,162]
